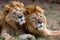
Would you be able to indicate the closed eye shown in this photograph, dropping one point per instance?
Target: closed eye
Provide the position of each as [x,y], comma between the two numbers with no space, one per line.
[34,18]
[14,14]
[20,10]
[40,16]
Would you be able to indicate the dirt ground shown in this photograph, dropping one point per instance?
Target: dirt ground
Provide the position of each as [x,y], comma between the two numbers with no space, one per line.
[52,13]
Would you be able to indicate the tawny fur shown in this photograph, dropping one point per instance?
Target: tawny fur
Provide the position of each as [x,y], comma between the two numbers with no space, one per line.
[31,28]
[7,8]
[10,26]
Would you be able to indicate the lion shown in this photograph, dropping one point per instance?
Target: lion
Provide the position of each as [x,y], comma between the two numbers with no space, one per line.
[36,22]
[14,21]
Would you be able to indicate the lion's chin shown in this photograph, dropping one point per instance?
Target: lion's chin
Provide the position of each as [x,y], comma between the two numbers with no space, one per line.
[22,22]
[40,27]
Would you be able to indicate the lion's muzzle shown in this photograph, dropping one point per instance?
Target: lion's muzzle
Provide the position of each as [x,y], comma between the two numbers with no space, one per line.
[21,20]
[40,25]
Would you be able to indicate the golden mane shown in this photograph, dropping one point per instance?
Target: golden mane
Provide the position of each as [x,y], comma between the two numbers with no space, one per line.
[30,10]
[7,22]
[12,16]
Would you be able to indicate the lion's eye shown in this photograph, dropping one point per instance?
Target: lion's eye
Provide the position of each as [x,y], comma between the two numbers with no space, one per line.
[40,16]
[14,14]
[20,10]
[34,18]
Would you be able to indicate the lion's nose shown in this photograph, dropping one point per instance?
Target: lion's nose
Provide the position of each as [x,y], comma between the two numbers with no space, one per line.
[20,16]
[40,22]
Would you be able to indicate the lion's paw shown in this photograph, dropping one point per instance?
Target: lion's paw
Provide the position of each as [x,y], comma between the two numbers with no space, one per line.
[7,36]
[27,36]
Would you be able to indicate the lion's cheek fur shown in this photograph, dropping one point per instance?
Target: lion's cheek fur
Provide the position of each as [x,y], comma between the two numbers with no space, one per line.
[32,30]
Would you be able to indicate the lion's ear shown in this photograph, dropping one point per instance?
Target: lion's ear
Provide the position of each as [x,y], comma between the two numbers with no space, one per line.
[26,12]
[30,9]
[6,9]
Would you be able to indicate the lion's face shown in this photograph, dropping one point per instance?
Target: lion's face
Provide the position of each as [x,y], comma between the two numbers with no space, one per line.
[16,14]
[37,20]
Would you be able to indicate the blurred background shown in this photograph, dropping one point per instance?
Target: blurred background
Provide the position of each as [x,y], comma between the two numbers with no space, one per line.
[52,11]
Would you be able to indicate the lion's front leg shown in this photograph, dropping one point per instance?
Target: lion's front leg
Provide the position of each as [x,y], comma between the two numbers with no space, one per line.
[31,37]
[7,36]
[27,36]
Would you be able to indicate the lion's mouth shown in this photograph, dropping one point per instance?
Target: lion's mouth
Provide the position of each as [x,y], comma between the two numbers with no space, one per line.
[40,26]
[21,21]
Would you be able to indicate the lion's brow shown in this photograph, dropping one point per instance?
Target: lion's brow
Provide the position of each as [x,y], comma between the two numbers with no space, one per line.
[37,14]
[17,8]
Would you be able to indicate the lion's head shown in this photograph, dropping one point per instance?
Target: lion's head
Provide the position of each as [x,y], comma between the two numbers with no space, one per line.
[15,10]
[36,16]
[16,14]
[13,16]
[35,19]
